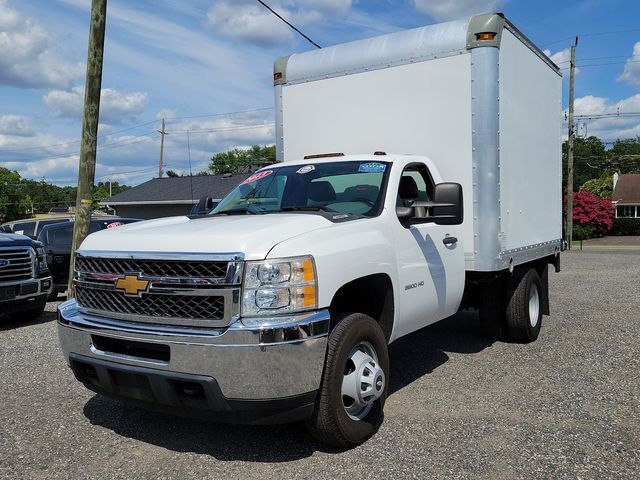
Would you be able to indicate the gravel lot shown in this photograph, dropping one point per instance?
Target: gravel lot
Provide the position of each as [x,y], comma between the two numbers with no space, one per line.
[567,406]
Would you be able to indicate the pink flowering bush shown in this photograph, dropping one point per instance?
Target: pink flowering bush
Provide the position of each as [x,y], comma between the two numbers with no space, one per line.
[592,211]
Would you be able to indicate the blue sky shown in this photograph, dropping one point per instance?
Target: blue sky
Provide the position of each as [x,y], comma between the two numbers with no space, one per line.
[206,66]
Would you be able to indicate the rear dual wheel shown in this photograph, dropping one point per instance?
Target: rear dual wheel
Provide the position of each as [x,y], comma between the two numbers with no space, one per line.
[524,306]
[518,315]
[354,386]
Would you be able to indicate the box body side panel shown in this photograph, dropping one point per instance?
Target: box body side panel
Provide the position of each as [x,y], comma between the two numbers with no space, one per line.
[530,148]
[421,108]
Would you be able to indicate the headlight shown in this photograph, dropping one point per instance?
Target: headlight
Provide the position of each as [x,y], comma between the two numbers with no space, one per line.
[41,258]
[286,285]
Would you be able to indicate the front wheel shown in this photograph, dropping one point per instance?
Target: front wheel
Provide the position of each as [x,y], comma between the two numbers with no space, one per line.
[354,386]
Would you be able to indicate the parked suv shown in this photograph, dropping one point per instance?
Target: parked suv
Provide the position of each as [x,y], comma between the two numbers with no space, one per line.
[25,281]
[56,239]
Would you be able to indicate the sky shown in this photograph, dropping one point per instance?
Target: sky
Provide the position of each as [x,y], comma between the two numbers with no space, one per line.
[206,67]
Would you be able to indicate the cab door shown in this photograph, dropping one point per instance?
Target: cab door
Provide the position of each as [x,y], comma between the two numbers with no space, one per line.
[430,257]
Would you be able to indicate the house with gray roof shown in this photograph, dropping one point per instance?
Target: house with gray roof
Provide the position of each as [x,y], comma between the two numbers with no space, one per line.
[170,196]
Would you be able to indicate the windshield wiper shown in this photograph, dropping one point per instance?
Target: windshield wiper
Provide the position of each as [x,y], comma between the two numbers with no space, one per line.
[308,208]
[252,209]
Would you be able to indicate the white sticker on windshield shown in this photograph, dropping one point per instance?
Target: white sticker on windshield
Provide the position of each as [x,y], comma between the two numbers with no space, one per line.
[306,169]
[372,167]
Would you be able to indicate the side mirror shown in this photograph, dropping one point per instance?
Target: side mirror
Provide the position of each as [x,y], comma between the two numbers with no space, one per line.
[447,200]
[204,206]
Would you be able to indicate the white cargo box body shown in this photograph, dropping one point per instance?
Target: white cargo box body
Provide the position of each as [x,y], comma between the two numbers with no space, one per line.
[486,112]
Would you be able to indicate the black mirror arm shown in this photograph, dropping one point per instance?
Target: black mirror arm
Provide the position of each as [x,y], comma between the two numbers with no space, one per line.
[404,212]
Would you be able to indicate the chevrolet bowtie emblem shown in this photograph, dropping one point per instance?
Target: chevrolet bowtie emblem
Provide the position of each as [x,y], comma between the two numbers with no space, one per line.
[132,285]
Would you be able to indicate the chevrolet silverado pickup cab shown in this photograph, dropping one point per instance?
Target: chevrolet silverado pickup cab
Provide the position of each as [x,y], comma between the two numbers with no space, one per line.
[25,281]
[279,305]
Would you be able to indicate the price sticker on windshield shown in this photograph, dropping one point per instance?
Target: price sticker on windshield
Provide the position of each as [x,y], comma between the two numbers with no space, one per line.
[372,167]
[257,176]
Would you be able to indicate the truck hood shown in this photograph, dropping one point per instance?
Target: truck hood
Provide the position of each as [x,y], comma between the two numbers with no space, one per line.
[13,240]
[252,235]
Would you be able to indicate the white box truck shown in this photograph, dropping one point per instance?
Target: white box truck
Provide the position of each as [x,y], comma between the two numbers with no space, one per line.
[420,174]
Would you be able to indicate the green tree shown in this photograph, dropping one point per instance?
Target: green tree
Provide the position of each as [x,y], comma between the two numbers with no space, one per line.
[240,160]
[171,173]
[589,158]
[14,202]
[103,190]
[602,186]
[630,146]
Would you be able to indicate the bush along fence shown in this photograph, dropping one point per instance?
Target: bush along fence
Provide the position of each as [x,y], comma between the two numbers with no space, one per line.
[626,226]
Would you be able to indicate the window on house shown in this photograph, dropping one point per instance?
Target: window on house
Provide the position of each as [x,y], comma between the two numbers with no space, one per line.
[623,211]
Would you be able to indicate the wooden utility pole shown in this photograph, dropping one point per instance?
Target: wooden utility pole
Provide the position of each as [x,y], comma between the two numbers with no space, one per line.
[572,135]
[162,133]
[88,146]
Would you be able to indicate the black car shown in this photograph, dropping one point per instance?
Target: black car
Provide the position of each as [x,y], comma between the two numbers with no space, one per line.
[24,278]
[57,239]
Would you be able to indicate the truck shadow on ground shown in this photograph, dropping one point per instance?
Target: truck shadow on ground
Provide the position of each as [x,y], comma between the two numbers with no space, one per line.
[421,352]
[411,358]
[7,323]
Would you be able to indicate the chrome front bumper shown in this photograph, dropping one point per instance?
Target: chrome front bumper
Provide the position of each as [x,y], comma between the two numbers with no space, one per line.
[284,357]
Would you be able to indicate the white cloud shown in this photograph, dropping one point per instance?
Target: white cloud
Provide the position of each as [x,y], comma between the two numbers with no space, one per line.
[15,125]
[27,59]
[631,73]
[115,107]
[251,22]
[443,10]
[613,127]
[563,60]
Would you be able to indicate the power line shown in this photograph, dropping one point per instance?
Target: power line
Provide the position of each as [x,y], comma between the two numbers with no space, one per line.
[598,58]
[596,116]
[220,114]
[602,64]
[594,34]
[227,129]
[277,15]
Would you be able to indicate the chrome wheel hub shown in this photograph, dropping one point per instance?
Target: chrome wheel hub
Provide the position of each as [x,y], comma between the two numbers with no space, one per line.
[534,305]
[363,382]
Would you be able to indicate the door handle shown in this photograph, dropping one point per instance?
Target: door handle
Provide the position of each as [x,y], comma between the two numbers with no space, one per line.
[449,240]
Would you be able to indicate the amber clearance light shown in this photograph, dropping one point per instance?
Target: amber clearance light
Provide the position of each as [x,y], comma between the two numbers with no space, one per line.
[485,36]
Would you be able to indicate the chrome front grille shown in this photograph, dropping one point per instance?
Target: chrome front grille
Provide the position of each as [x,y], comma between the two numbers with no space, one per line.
[187,307]
[153,268]
[197,290]
[16,264]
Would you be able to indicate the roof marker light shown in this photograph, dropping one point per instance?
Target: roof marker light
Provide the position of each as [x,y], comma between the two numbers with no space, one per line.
[485,36]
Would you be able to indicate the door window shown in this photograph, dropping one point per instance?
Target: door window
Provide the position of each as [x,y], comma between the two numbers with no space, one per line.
[415,186]
[61,237]
[42,223]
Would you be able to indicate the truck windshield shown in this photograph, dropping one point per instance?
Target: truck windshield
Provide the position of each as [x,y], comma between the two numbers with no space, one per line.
[353,188]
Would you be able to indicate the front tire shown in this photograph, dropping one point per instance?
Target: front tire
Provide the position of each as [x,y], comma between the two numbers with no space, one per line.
[354,386]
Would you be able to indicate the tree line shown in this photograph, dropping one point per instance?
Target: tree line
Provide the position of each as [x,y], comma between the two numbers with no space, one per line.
[21,197]
[594,164]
